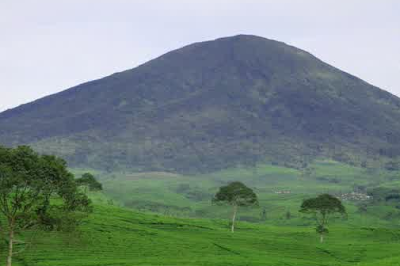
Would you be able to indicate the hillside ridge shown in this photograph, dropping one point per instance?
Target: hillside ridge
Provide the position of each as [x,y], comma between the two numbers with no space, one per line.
[211,105]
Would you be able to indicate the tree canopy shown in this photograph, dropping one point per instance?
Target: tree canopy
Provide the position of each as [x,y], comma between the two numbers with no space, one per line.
[87,179]
[235,194]
[37,191]
[322,207]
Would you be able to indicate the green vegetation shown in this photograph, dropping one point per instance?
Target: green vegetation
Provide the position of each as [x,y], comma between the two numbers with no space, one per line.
[279,190]
[36,191]
[87,179]
[237,195]
[114,236]
[165,137]
[274,234]
[232,102]
[322,207]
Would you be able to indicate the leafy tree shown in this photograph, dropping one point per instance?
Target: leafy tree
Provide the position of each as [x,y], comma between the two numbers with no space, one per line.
[87,179]
[235,194]
[322,207]
[36,191]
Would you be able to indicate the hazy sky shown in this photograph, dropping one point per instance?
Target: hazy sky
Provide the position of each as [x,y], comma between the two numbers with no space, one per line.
[50,45]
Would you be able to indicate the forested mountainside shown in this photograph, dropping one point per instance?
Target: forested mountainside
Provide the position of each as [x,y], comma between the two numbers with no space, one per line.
[212,105]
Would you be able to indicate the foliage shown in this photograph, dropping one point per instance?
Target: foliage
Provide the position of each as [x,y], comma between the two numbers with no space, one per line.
[87,179]
[322,207]
[324,204]
[36,191]
[236,194]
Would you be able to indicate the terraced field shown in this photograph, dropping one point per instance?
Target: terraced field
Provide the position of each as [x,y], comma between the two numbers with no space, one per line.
[114,236]
[280,191]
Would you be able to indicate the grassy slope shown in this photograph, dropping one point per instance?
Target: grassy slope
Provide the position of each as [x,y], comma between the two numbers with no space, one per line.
[158,192]
[115,236]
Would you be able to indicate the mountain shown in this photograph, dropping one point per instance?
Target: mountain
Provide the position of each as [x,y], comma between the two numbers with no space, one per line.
[213,105]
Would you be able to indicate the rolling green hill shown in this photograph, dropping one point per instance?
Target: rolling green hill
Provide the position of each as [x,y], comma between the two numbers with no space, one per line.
[280,191]
[213,105]
[114,236]
[168,230]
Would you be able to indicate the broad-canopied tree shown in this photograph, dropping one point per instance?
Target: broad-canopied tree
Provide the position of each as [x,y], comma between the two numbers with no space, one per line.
[237,195]
[36,191]
[322,207]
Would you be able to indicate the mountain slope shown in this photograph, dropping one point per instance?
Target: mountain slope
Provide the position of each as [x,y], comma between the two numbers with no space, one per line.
[212,105]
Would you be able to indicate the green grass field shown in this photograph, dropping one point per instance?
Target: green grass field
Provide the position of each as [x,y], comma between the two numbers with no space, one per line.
[167,219]
[190,196]
[116,236]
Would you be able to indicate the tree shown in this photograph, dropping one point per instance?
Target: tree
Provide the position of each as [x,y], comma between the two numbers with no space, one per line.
[87,179]
[237,195]
[322,207]
[36,191]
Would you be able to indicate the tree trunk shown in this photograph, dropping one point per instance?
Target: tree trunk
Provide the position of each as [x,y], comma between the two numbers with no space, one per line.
[10,246]
[234,218]
[321,238]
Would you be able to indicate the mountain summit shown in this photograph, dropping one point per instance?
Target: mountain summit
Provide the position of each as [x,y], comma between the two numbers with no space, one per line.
[212,105]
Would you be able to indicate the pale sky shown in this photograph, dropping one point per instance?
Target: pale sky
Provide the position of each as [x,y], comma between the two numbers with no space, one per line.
[47,46]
